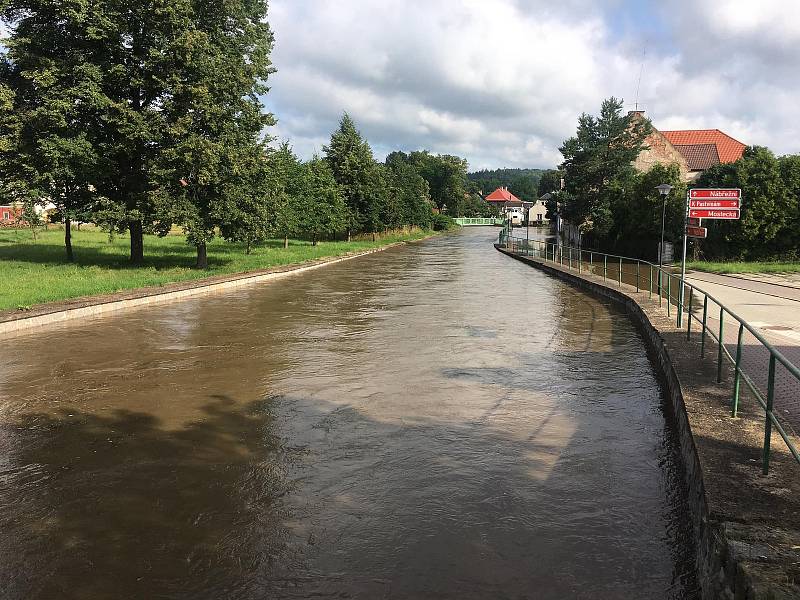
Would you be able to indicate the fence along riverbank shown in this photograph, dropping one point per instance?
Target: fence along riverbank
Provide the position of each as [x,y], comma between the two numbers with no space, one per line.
[745,358]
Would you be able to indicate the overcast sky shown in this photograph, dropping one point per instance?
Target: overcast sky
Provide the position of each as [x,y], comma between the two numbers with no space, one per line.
[502,82]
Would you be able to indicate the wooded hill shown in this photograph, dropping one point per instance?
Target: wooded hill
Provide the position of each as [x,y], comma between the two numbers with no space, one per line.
[523,183]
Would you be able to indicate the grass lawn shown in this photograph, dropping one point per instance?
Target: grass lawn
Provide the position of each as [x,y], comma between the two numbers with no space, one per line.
[37,272]
[744,267]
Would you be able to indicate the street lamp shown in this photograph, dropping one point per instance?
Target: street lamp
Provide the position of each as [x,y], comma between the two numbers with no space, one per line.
[664,189]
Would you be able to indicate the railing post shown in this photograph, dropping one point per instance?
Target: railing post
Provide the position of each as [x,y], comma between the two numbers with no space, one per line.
[669,294]
[737,373]
[605,266]
[650,281]
[638,274]
[689,316]
[703,330]
[770,402]
[619,275]
[569,260]
[719,350]
[591,262]
[579,260]
[660,287]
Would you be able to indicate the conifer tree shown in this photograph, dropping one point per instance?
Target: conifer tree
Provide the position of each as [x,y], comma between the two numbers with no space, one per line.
[602,150]
[284,181]
[322,207]
[353,165]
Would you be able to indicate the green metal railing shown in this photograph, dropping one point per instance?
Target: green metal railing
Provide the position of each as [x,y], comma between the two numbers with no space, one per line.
[682,297]
[471,221]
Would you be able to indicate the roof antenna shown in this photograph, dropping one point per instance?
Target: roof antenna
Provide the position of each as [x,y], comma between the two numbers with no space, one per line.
[639,83]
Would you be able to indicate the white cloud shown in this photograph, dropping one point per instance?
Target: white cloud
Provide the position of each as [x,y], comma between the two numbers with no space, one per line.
[503,82]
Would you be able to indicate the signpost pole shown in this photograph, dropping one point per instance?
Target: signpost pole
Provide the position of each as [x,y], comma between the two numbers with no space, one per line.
[683,262]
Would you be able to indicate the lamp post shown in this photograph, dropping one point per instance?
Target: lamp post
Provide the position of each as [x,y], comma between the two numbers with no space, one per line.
[664,189]
[527,214]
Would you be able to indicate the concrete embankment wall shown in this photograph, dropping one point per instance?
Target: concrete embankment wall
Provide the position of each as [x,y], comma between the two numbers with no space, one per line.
[724,548]
[81,308]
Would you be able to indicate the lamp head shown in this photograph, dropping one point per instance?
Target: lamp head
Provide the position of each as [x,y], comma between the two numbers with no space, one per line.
[664,189]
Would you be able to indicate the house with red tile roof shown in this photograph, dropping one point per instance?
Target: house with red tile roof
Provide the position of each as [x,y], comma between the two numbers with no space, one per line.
[693,150]
[507,202]
[500,196]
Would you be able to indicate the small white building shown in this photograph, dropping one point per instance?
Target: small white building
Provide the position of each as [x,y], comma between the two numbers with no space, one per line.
[537,213]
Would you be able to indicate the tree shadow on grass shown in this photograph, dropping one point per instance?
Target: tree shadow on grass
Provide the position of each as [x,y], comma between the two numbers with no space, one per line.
[159,255]
[112,257]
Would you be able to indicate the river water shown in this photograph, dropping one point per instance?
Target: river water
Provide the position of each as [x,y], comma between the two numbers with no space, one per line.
[432,421]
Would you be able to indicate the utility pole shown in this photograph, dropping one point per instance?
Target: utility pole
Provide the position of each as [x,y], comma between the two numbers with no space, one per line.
[683,262]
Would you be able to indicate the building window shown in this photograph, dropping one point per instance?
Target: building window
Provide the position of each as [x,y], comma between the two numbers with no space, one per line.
[5,215]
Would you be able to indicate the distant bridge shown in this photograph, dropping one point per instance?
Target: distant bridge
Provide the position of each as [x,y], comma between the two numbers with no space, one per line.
[472,222]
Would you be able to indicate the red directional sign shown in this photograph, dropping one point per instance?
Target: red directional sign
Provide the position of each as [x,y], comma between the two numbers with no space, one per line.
[692,222]
[715,193]
[694,203]
[696,232]
[702,213]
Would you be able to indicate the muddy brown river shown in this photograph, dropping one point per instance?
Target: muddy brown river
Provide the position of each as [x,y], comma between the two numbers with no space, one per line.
[432,421]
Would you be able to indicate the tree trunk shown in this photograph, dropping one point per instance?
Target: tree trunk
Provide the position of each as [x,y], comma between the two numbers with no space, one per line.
[137,242]
[373,236]
[348,235]
[68,239]
[247,251]
[314,240]
[285,242]
[202,256]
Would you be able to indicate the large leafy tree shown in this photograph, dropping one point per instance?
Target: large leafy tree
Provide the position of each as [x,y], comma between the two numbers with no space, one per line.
[637,207]
[140,49]
[447,180]
[51,96]
[602,151]
[790,173]
[409,190]
[212,151]
[355,170]
[9,135]
[769,207]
